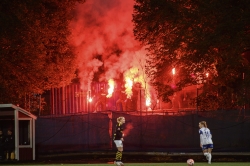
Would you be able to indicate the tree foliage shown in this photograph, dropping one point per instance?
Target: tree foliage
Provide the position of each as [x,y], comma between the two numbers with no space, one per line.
[197,37]
[35,53]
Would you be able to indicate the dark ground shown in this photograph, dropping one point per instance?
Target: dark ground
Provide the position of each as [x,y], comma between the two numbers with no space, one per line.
[133,157]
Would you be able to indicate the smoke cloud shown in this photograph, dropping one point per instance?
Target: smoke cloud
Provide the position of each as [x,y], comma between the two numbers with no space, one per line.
[103,35]
[128,128]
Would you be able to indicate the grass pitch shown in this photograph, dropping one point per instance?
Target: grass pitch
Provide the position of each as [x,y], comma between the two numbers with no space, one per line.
[145,164]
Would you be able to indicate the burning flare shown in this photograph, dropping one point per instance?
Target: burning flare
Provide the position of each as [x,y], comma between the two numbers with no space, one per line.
[134,75]
[207,74]
[173,71]
[130,76]
[90,99]
[111,88]
[148,101]
[128,86]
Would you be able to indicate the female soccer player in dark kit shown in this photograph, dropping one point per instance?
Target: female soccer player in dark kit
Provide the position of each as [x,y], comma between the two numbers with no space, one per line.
[118,139]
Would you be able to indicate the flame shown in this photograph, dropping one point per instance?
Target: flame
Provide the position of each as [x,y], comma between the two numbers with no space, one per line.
[90,99]
[130,76]
[173,71]
[207,74]
[111,83]
[138,77]
[128,86]
[148,101]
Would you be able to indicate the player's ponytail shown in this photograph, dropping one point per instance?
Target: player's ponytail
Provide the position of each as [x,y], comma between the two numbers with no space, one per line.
[204,123]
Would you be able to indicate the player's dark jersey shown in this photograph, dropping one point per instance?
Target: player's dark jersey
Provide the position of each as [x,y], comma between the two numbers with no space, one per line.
[118,131]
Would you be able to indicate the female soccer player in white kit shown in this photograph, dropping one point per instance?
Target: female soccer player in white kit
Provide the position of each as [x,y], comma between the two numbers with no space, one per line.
[206,142]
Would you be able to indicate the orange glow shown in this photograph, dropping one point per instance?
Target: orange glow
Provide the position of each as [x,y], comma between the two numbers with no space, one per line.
[90,99]
[111,88]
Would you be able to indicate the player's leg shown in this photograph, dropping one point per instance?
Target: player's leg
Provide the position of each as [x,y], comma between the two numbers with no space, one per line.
[210,153]
[205,151]
[8,153]
[120,150]
[1,153]
[118,156]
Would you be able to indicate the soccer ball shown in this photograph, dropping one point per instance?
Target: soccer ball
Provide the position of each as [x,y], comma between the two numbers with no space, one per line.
[190,162]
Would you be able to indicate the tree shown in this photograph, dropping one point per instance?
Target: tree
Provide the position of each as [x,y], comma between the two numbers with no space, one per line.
[197,37]
[35,53]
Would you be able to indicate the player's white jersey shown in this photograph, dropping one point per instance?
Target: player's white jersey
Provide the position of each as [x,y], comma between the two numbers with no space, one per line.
[205,136]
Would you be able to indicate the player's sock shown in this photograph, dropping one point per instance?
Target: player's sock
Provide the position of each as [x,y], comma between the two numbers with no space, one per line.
[118,156]
[209,158]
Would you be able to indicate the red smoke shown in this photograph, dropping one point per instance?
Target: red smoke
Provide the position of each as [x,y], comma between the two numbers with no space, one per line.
[105,29]
[128,128]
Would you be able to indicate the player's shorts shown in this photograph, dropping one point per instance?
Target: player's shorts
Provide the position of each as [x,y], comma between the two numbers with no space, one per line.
[118,143]
[207,146]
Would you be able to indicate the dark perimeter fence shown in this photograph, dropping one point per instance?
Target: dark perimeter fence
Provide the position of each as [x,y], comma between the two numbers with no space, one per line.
[151,132]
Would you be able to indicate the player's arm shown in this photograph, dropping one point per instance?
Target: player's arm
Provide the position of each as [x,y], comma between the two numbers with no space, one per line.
[201,137]
[121,132]
[115,133]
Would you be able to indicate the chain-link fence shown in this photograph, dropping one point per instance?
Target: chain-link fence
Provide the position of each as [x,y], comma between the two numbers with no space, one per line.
[162,132]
